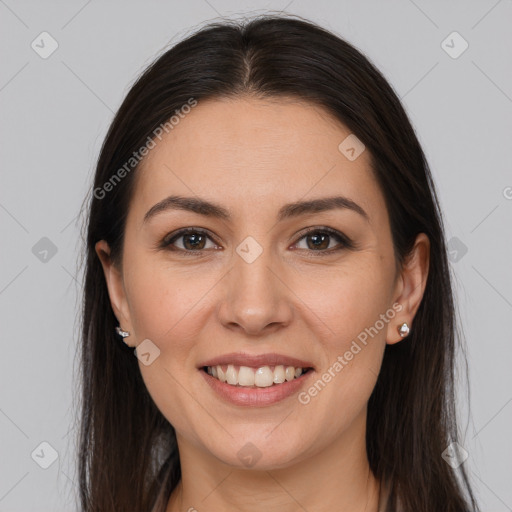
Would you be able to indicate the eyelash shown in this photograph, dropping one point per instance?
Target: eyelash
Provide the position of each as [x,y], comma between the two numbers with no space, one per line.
[344,241]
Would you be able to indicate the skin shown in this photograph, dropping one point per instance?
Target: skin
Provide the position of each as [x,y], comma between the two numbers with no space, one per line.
[252,156]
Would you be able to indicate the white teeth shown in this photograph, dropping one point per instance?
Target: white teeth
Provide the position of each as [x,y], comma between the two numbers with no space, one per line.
[262,377]
[279,375]
[231,376]
[220,374]
[245,376]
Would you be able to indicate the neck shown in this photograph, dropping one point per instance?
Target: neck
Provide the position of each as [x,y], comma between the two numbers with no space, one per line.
[336,478]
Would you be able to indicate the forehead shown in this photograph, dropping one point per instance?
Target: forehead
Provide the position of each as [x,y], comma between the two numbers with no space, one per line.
[242,151]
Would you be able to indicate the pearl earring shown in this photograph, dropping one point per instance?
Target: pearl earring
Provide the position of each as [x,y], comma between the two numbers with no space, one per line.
[403,330]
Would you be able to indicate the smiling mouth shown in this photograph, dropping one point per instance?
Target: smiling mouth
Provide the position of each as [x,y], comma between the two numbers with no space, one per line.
[261,377]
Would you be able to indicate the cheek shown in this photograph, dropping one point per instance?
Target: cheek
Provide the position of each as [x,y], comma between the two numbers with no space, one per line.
[347,300]
[350,315]
[165,306]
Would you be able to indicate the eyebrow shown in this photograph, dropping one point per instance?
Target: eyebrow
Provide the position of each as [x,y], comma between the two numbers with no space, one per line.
[208,209]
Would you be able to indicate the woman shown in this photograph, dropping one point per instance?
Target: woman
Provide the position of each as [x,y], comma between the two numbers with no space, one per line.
[265,233]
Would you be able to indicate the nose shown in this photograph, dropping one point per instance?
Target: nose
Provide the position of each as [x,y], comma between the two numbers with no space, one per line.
[256,300]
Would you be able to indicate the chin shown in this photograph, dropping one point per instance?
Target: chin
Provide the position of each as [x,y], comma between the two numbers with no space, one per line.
[261,453]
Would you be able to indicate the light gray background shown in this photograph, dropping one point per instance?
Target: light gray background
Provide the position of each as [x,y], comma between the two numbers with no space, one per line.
[55,113]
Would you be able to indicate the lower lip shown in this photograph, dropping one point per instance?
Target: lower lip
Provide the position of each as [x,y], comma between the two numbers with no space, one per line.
[256,397]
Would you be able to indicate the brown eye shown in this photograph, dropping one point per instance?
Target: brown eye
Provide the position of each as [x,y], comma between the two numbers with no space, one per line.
[322,240]
[318,240]
[194,241]
[189,240]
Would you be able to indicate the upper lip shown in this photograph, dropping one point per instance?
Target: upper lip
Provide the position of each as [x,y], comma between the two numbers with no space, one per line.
[256,360]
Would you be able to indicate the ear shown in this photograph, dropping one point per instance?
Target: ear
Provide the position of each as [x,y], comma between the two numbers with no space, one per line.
[410,286]
[115,285]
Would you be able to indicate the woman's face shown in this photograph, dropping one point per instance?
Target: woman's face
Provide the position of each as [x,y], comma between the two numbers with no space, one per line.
[252,281]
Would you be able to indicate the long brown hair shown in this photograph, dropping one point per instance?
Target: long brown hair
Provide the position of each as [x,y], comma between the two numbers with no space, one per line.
[128,453]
